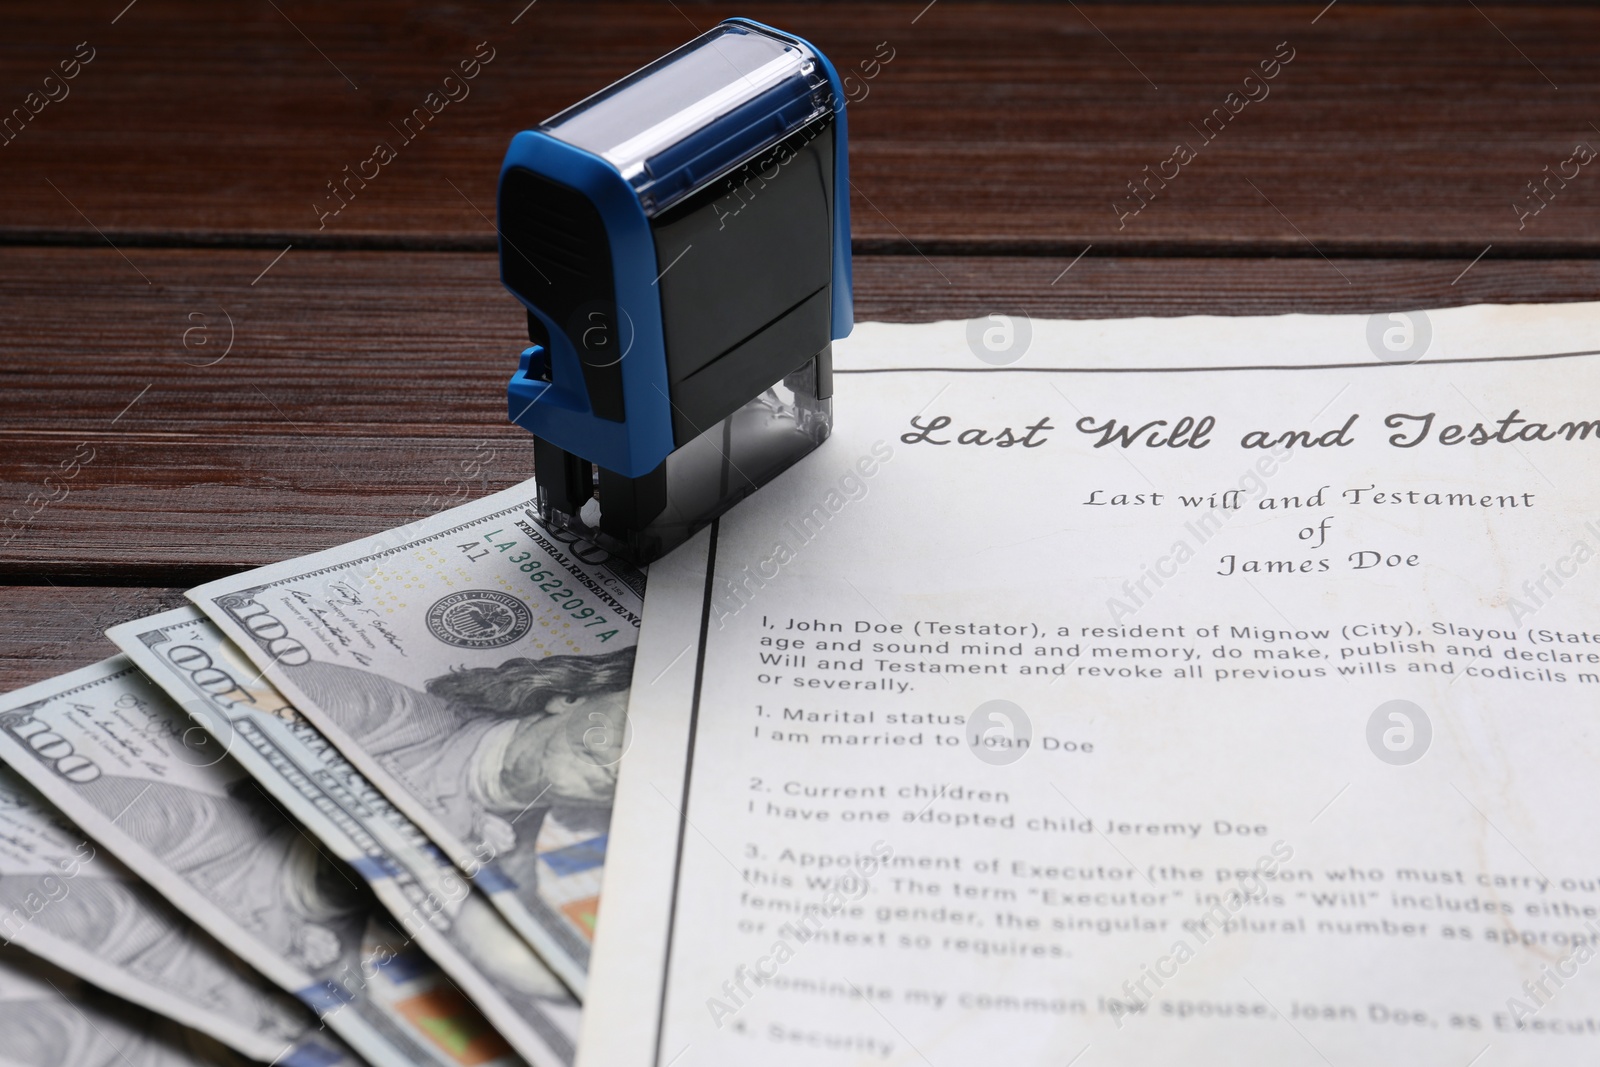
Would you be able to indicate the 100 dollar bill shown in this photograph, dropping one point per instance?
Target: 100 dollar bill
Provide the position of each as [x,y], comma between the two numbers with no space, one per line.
[184,653]
[113,752]
[79,908]
[474,666]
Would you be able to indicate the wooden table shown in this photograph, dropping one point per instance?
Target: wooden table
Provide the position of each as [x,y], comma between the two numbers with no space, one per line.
[205,370]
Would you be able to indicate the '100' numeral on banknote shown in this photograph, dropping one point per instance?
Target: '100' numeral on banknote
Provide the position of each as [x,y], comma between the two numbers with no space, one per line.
[53,750]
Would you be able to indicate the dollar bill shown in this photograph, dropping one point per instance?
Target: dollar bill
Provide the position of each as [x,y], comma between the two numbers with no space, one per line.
[185,653]
[48,1018]
[118,757]
[78,907]
[474,667]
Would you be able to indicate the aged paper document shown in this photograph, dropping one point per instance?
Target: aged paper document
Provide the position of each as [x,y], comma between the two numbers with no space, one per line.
[1122,692]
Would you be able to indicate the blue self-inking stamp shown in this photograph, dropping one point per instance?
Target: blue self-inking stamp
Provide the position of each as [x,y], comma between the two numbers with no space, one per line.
[681,241]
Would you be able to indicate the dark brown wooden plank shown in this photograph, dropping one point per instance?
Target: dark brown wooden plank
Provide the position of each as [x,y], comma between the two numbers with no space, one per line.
[1396,129]
[48,630]
[365,388]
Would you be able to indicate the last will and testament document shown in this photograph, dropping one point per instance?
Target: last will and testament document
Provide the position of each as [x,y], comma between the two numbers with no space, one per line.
[1214,690]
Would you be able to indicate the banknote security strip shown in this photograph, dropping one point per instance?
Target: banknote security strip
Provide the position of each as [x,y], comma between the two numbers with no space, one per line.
[681,243]
[570,866]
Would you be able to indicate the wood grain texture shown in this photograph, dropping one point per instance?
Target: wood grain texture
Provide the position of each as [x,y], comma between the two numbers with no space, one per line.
[48,630]
[1395,130]
[364,389]
[181,402]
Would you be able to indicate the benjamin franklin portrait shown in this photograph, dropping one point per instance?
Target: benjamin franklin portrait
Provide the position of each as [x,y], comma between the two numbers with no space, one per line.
[492,750]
